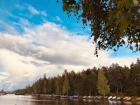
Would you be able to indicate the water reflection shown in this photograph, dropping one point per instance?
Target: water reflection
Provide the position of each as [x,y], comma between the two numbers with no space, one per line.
[29,100]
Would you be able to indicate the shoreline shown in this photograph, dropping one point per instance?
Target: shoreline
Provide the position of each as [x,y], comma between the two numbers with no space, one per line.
[93,98]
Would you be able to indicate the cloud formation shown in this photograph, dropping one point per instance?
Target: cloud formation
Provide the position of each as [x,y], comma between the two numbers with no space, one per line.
[34,11]
[47,49]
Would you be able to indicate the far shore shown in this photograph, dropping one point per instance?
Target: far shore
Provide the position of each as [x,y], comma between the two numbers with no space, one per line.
[93,98]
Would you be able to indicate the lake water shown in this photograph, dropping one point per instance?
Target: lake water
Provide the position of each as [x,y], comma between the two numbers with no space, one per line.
[29,100]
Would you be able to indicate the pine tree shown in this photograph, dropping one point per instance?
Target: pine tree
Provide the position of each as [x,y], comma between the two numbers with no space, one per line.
[59,85]
[44,85]
[102,84]
[66,86]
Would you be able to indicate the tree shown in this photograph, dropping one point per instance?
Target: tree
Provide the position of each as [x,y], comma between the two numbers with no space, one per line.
[135,77]
[114,23]
[66,85]
[121,80]
[102,83]
[45,84]
[59,85]
[117,78]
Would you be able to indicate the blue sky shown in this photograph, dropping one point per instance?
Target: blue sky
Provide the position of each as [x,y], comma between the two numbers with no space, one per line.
[14,10]
[37,37]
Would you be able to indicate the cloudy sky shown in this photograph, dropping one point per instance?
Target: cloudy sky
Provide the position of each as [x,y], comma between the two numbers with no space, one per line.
[37,38]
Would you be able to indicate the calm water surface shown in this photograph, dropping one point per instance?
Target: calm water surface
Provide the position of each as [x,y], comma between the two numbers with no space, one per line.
[29,100]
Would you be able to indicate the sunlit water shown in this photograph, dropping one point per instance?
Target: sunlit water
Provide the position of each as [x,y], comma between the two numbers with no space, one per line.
[29,100]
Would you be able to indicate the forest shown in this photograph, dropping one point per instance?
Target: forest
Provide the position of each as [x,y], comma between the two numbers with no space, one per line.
[113,80]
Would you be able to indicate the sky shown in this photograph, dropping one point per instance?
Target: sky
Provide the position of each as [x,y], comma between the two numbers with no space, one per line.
[37,37]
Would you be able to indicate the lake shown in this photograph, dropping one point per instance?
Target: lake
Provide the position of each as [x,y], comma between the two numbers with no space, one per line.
[29,100]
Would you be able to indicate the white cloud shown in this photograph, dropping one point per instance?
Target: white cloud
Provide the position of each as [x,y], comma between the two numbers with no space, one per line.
[49,49]
[34,11]
[7,27]
[24,22]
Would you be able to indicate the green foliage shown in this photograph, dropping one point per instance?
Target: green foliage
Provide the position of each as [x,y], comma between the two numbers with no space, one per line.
[116,79]
[102,83]
[66,85]
[111,21]
[59,85]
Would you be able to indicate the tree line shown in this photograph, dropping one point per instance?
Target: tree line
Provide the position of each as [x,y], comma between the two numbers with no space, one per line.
[112,80]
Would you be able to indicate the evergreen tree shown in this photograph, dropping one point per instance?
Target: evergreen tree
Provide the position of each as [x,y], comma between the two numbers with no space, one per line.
[102,83]
[59,86]
[66,85]
[44,85]
[122,81]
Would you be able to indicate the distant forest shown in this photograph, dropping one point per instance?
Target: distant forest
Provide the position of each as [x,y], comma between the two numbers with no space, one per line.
[119,81]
